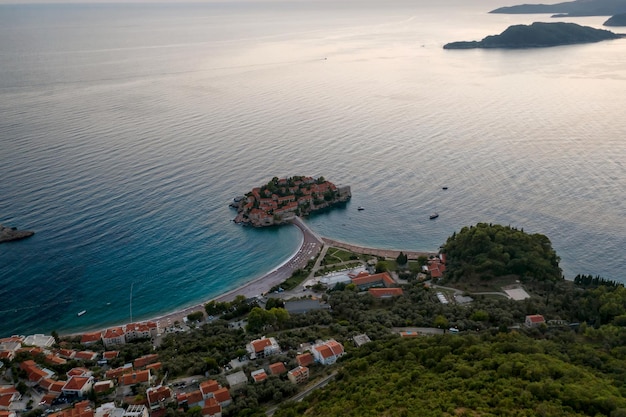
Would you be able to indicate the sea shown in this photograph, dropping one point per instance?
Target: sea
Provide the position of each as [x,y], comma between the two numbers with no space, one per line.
[126,129]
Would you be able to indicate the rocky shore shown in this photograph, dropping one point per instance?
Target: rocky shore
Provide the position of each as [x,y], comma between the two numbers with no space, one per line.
[8,234]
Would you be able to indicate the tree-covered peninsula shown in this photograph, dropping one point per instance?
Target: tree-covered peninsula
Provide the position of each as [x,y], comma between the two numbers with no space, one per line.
[538,35]
[487,251]
[569,8]
[281,199]
[616,20]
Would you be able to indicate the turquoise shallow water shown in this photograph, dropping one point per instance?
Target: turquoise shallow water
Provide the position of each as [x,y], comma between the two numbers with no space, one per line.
[127,129]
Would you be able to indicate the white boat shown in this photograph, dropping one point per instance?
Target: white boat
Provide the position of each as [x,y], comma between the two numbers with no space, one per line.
[361,208]
[80,313]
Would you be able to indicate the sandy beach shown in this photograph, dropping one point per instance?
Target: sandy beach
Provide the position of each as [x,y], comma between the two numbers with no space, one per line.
[311,246]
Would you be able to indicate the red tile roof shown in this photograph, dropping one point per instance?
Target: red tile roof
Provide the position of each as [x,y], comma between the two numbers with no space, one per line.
[536,318]
[91,337]
[209,386]
[382,278]
[138,377]
[278,368]
[145,360]
[385,292]
[261,344]
[158,394]
[222,395]
[112,354]
[76,383]
[305,359]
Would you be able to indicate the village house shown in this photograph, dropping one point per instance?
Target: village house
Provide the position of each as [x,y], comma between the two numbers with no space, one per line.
[305,359]
[80,409]
[90,338]
[78,386]
[8,395]
[327,353]
[86,355]
[211,408]
[137,377]
[278,368]
[298,375]
[113,336]
[146,330]
[236,380]
[102,387]
[144,360]
[534,320]
[208,388]
[364,281]
[259,375]
[39,340]
[262,347]
[158,397]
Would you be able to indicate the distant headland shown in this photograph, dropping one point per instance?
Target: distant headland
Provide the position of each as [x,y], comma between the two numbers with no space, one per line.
[539,35]
[8,234]
[570,8]
[280,200]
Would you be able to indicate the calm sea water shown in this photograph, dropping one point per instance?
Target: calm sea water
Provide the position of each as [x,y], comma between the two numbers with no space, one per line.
[125,131]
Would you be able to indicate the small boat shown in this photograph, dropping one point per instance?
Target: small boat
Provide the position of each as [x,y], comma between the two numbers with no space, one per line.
[434,216]
[445,188]
[80,313]
[361,208]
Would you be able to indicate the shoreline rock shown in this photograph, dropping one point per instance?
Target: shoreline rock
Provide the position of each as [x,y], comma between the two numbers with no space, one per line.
[8,234]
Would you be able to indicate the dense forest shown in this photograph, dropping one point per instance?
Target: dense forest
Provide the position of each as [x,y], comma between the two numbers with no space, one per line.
[488,251]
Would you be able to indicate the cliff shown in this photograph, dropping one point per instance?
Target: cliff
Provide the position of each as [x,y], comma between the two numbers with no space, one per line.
[538,35]
[8,234]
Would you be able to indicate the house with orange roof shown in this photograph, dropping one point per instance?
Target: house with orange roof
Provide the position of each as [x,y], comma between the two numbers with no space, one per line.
[534,320]
[9,347]
[305,359]
[262,347]
[102,387]
[79,371]
[110,354]
[113,336]
[211,408]
[57,387]
[136,377]
[154,367]
[67,353]
[278,368]
[8,395]
[159,397]
[259,375]
[80,409]
[7,413]
[327,352]
[222,396]
[90,338]
[144,330]
[298,375]
[193,398]
[86,355]
[78,386]
[208,387]
[7,355]
[364,282]
[54,360]
[36,374]
[46,383]
[145,360]
[118,372]
[385,292]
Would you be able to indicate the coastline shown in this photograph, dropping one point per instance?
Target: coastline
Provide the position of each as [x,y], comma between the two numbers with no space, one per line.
[310,246]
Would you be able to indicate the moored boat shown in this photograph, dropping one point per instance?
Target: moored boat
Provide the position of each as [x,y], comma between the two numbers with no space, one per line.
[434,216]
[80,313]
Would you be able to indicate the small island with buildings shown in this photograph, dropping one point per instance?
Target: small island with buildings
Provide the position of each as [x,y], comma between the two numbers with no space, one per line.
[281,199]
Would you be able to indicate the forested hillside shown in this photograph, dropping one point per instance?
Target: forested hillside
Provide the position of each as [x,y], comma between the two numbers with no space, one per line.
[485,251]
